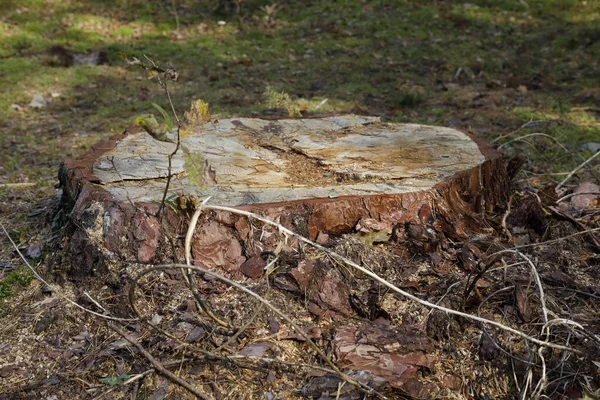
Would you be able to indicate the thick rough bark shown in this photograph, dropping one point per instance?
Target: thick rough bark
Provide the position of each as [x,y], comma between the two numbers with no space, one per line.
[319,177]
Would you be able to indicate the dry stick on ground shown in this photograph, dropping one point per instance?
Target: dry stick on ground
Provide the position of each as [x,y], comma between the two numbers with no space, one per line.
[577,224]
[287,319]
[568,196]
[232,359]
[384,282]
[511,356]
[505,217]
[242,328]
[547,242]
[471,283]
[543,380]
[22,185]
[522,138]
[229,359]
[55,289]
[531,121]
[134,378]
[158,366]
[209,355]
[583,164]
[202,305]
[536,277]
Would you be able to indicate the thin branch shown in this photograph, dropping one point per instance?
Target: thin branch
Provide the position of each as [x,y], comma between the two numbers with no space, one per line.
[384,282]
[575,222]
[209,355]
[174,6]
[568,196]
[169,173]
[21,185]
[287,319]
[163,76]
[518,129]
[583,164]
[505,217]
[58,292]
[533,135]
[536,277]
[134,378]
[547,242]
[160,369]
[95,302]
[202,305]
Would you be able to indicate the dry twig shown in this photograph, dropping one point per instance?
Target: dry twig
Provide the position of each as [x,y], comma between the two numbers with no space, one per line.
[265,302]
[522,138]
[158,366]
[202,305]
[56,290]
[583,164]
[384,282]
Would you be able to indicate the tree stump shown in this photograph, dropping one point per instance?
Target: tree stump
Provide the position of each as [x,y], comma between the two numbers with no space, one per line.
[320,177]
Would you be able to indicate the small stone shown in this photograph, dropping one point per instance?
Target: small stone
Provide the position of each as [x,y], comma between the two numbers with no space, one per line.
[16,107]
[38,101]
[589,197]
[322,238]
[156,319]
[436,258]
[34,251]
[256,349]
[592,146]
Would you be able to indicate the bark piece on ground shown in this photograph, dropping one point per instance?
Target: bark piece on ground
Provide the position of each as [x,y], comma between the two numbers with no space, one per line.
[394,354]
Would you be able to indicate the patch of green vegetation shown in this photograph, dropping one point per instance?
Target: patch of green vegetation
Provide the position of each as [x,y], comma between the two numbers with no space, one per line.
[553,145]
[20,277]
[359,56]
[409,99]
[529,114]
[124,31]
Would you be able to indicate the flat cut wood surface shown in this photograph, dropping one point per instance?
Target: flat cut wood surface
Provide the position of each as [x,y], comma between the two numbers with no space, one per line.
[251,161]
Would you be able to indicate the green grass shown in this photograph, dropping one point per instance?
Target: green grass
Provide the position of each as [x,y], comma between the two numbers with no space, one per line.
[485,65]
[20,277]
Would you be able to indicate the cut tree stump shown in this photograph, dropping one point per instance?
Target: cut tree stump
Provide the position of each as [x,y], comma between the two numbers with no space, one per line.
[320,177]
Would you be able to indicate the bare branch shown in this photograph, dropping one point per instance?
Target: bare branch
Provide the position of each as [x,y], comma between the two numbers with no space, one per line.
[56,290]
[384,282]
[160,369]
[583,164]
[281,314]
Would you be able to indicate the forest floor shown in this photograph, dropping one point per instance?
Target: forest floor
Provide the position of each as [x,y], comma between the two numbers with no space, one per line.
[521,74]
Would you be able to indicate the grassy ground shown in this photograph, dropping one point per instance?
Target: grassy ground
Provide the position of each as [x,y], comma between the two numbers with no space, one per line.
[486,66]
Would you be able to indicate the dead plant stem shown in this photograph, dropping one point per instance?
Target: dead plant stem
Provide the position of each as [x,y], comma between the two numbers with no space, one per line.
[56,290]
[160,369]
[270,306]
[384,282]
[583,164]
